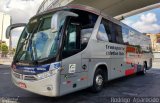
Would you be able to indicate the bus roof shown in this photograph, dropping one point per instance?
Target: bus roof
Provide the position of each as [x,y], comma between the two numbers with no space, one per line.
[88,9]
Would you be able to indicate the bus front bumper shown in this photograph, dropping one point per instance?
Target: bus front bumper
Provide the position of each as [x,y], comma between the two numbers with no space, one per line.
[46,87]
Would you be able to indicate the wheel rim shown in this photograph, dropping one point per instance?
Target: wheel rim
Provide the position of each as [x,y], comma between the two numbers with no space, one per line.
[99,80]
[144,70]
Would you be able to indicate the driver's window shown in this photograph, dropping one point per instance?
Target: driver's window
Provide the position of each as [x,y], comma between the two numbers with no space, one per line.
[72,41]
[71,36]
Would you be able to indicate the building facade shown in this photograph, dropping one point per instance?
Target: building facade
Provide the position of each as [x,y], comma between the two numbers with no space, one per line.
[5,21]
[155,39]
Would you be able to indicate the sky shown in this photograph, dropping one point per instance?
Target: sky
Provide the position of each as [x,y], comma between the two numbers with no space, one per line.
[22,10]
[146,22]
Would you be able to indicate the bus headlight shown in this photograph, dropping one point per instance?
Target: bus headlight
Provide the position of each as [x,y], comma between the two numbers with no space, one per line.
[46,74]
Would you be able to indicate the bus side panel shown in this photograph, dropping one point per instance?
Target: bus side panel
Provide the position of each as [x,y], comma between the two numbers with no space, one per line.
[73,76]
[106,53]
[73,82]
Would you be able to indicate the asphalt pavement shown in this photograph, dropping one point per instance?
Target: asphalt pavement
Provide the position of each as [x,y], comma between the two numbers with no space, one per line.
[126,87]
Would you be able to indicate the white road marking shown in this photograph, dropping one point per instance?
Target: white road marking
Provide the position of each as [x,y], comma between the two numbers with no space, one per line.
[5,73]
[153,72]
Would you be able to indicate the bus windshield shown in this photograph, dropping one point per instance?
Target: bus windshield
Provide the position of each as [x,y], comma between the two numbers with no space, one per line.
[38,41]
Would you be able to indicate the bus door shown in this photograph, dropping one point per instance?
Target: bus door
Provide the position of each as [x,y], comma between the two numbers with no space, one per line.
[74,73]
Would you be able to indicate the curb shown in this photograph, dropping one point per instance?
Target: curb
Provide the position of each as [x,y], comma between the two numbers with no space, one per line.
[5,63]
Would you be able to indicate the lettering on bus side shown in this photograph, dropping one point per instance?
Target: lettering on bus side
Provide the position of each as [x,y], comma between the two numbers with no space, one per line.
[115,50]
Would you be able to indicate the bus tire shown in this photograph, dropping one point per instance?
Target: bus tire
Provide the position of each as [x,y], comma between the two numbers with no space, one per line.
[98,81]
[143,72]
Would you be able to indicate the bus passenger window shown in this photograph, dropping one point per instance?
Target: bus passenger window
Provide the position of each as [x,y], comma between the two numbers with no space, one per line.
[102,34]
[85,35]
[114,31]
[118,33]
[125,33]
[110,30]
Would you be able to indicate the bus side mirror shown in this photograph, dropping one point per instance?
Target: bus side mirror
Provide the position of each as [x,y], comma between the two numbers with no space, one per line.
[13,26]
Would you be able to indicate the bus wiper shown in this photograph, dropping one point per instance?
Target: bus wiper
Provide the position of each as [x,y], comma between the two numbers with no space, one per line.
[42,60]
[22,62]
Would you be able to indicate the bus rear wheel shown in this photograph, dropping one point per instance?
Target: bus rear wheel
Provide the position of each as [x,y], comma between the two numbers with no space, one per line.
[98,81]
[143,72]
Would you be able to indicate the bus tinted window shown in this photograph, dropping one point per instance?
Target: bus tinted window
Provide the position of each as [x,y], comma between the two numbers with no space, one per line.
[86,21]
[85,35]
[78,32]
[118,33]
[136,39]
[125,33]
[145,44]
[113,31]
[102,34]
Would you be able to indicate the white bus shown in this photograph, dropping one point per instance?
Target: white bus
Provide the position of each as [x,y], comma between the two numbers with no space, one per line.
[75,47]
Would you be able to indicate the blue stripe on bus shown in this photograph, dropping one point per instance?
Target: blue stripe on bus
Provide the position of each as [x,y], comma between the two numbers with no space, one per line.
[28,70]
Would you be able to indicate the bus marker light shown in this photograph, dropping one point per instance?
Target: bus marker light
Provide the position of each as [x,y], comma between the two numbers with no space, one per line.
[84,78]
[68,82]
[49,88]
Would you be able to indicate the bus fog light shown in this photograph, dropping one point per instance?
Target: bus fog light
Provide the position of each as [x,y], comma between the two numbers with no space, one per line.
[49,88]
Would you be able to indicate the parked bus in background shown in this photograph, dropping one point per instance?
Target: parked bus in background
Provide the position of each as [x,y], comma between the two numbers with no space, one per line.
[75,47]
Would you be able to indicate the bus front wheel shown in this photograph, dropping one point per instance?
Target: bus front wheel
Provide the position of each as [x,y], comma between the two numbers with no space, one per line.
[98,81]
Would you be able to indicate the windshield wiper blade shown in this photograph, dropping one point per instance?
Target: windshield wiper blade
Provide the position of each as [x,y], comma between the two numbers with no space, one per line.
[41,60]
[22,62]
